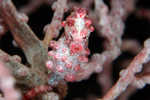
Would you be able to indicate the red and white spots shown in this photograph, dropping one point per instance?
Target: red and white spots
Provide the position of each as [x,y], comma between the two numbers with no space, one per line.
[76,47]
[70,77]
[49,65]
[35,91]
[82,58]
[59,68]
[69,53]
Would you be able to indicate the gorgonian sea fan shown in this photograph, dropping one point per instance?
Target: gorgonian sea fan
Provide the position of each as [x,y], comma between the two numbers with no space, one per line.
[69,54]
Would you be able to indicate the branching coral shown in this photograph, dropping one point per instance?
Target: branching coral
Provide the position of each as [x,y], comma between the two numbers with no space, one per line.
[65,57]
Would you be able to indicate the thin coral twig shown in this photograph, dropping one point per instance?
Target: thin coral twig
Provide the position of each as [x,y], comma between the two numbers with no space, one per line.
[52,30]
[132,46]
[127,76]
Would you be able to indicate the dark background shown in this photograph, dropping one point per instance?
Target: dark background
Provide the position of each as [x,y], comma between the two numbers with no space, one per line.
[135,28]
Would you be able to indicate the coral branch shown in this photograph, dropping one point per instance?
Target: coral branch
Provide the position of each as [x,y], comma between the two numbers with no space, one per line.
[126,95]
[141,81]
[127,76]
[3,27]
[33,48]
[131,45]
[33,5]
[104,78]
[7,84]
[52,30]
[111,28]
[22,73]
[50,96]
